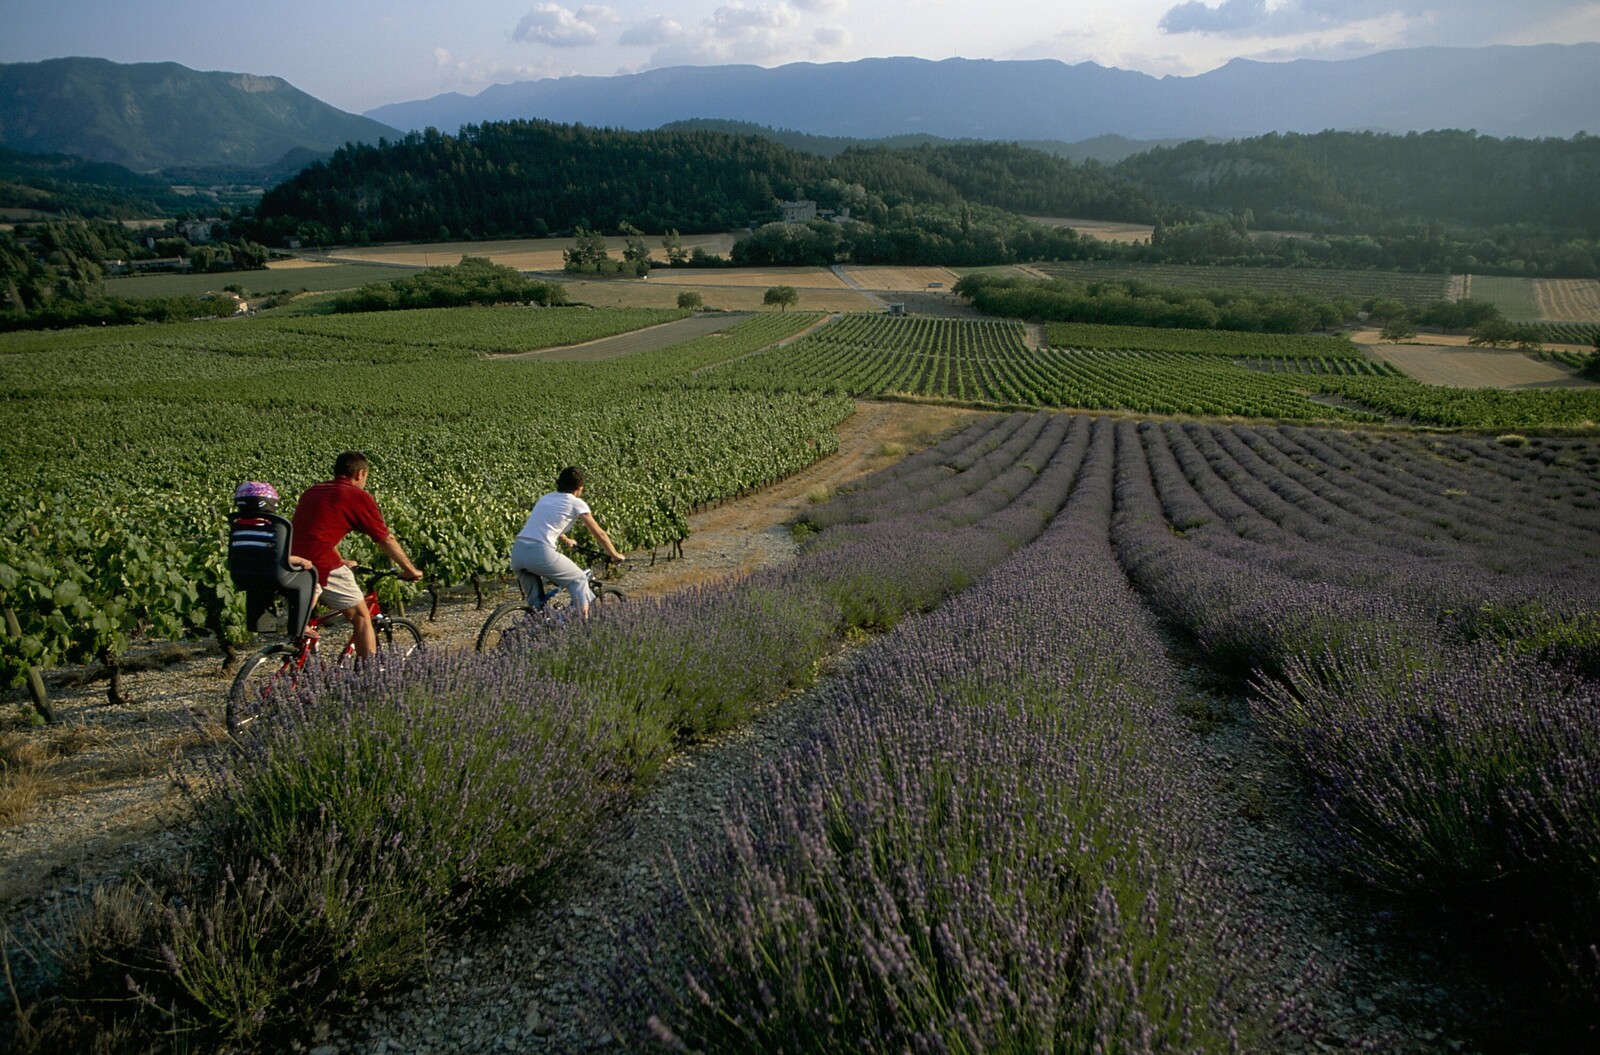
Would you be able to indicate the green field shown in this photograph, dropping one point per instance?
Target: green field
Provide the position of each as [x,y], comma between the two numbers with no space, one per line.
[1513,296]
[1413,289]
[255,283]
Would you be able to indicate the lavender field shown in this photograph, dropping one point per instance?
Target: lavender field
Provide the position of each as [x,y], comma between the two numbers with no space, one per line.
[999,835]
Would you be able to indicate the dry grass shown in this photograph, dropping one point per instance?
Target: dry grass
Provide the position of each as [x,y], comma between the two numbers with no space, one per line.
[659,292]
[23,781]
[41,764]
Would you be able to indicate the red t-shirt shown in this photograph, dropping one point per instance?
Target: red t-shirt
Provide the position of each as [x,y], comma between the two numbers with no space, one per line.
[325,514]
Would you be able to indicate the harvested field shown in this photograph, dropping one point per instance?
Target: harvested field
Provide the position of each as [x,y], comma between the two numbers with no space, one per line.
[902,279]
[297,263]
[1463,367]
[1105,230]
[524,254]
[1568,299]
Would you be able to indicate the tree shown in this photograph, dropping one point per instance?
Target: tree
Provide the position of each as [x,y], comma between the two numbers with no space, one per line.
[783,296]
[588,251]
[1496,333]
[635,252]
[672,245]
[1397,330]
[690,301]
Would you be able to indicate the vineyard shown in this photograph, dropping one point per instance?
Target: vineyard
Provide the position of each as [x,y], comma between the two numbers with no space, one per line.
[1138,369]
[1413,289]
[126,445]
[1565,332]
[1002,777]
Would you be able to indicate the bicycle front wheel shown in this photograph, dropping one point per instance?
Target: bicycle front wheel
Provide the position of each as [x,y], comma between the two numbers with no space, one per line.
[398,637]
[504,622]
[608,595]
[265,681]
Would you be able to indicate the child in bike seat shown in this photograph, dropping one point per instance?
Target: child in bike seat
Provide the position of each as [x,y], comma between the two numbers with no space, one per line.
[259,562]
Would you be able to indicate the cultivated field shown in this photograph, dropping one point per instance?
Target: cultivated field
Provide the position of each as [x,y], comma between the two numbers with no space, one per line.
[1568,299]
[1538,299]
[291,275]
[1105,230]
[719,289]
[525,254]
[1100,710]
[901,279]
[1463,367]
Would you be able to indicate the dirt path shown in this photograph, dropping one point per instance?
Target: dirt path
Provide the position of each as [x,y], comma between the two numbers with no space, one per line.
[648,339]
[753,532]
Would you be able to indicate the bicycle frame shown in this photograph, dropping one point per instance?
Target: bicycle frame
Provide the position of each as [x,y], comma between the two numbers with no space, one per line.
[288,659]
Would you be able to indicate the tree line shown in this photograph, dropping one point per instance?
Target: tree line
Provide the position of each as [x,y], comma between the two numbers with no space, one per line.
[1446,201]
[1134,302]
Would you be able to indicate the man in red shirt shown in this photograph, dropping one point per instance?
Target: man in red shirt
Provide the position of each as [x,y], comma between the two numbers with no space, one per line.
[325,514]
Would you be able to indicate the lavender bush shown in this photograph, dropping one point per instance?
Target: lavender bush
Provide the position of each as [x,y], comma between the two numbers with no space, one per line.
[993,843]
[1471,777]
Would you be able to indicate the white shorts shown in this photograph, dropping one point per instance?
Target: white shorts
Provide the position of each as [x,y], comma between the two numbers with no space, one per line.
[341,592]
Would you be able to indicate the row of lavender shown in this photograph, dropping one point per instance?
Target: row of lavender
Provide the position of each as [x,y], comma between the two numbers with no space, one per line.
[351,836]
[1424,634]
[994,840]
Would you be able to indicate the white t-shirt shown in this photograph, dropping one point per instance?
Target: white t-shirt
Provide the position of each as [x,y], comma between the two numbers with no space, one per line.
[551,516]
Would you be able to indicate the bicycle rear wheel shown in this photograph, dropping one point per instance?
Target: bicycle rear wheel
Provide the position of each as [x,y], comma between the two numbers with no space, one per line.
[505,622]
[265,681]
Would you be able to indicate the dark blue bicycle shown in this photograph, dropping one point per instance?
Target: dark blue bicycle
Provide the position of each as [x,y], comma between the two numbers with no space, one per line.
[550,605]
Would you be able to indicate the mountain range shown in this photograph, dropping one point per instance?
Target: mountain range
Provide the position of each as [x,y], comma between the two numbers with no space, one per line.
[200,127]
[151,116]
[1503,91]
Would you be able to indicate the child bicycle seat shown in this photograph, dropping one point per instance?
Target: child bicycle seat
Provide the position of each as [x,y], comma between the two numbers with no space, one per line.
[258,561]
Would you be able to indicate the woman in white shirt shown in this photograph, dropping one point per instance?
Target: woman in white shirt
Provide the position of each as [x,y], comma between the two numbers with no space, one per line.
[535,551]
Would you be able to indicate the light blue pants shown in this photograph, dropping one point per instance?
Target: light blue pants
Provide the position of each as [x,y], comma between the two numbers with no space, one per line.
[537,558]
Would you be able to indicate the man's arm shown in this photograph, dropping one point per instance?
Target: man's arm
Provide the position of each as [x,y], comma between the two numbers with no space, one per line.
[394,551]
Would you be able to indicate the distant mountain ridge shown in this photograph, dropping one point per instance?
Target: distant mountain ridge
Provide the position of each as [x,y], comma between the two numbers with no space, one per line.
[1502,90]
[160,115]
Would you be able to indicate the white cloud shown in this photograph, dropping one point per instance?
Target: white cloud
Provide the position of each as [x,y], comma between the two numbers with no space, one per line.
[559,27]
[471,74]
[736,20]
[651,32]
[1281,18]
[760,33]
[831,40]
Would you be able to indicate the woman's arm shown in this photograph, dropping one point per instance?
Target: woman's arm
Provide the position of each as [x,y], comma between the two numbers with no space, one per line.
[601,537]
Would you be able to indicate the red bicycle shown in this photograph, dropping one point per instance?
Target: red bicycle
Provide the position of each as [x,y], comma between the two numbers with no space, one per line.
[272,675]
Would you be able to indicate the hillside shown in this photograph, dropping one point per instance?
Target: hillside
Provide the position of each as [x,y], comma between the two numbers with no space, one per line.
[153,116]
[1107,149]
[1436,202]
[1545,90]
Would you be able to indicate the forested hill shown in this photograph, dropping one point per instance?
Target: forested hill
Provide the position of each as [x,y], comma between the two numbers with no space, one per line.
[1369,183]
[522,178]
[1107,149]
[535,178]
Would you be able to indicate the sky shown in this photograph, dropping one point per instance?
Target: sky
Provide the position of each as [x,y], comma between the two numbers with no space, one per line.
[360,54]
